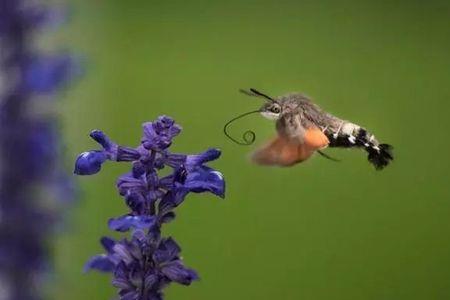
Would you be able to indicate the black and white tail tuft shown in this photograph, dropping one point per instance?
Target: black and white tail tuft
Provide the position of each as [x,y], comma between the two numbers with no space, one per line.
[380,156]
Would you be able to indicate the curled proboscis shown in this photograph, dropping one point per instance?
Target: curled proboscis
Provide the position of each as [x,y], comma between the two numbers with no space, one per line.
[248,137]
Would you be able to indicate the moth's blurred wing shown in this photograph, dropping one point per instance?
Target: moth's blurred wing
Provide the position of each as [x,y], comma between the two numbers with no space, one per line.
[290,127]
[282,151]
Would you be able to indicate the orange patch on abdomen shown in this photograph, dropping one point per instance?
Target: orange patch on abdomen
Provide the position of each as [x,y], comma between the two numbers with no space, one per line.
[315,139]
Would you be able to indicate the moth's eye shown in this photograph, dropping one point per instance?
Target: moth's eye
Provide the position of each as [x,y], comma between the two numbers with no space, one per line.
[276,109]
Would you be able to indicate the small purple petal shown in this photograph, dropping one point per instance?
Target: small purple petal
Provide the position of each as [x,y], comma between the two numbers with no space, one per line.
[108,244]
[167,203]
[167,251]
[121,271]
[136,201]
[173,199]
[179,194]
[152,180]
[138,169]
[149,133]
[176,160]
[129,295]
[139,235]
[121,250]
[127,154]
[205,179]
[99,262]
[135,250]
[125,223]
[150,280]
[101,138]
[177,272]
[166,182]
[121,283]
[199,159]
[128,184]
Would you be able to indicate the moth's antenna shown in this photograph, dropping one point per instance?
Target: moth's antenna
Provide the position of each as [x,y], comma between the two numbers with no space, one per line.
[256,93]
[262,95]
[248,137]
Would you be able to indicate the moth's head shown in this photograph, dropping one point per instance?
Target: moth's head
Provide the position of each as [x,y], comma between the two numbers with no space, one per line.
[271,110]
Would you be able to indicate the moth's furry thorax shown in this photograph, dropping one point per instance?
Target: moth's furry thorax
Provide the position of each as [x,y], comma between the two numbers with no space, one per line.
[300,104]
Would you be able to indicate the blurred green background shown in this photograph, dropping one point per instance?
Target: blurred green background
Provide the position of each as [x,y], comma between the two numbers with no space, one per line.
[319,230]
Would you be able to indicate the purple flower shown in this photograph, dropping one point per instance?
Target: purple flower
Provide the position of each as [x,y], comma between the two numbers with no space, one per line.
[32,179]
[148,262]
[89,163]
[204,179]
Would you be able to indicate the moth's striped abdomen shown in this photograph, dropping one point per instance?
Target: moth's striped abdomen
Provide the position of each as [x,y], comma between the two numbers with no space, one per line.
[349,135]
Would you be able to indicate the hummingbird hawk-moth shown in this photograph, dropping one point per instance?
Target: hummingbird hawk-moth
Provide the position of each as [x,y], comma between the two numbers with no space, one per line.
[303,128]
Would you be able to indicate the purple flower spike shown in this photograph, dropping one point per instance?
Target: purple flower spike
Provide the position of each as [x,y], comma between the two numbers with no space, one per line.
[147,262]
[35,187]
